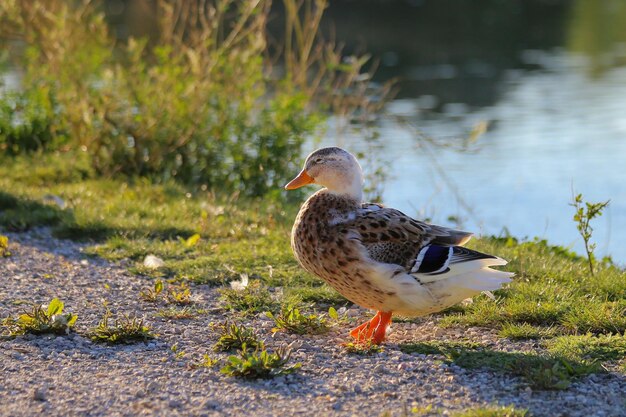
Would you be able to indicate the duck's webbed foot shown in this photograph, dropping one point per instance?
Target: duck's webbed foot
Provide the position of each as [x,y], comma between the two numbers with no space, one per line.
[374,330]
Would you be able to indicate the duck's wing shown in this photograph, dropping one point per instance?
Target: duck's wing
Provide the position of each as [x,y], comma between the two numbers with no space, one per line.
[391,236]
[376,223]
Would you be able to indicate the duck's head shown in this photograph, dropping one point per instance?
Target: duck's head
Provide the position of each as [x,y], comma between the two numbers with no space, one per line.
[334,168]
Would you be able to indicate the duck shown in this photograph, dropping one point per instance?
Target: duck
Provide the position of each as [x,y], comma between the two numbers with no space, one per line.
[378,257]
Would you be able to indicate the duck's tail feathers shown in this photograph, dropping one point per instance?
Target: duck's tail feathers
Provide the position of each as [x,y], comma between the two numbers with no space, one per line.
[455,273]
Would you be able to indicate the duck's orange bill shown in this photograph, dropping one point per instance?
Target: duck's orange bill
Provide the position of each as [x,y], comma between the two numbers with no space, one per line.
[301,180]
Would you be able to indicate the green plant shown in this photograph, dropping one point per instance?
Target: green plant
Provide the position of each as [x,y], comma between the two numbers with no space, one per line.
[521,331]
[259,363]
[494,411]
[200,101]
[233,336]
[291,320]
[589,347]
[178,354]
[26,121]
[178,294]
[4,247]
[174,313]
[42,319]
[553,290]
[362,348]
[124,330]
[253,298]
[583,217]
[206,362]
[550,372]
[152,295]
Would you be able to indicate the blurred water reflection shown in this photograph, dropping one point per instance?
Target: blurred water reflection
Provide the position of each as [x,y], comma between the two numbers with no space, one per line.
[549,76]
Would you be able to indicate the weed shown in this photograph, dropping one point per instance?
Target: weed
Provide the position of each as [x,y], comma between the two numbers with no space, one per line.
[176,294]
[174,313]
[42,319]
[178,354]
[521,331]
[583,217]
[254,298]
[206,362]
[152,295]
[362,348]
[291,320]
[233,336]
[551,373]
[125,330]
[4,247]
[495,411]
[259,363]
[179,295]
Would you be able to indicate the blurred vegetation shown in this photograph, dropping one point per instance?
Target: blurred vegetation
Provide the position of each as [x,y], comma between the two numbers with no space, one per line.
[201,101]
[597,30]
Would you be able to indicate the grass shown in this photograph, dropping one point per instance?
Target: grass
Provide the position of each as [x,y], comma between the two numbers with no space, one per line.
[292,321]
[259,363]
[494,411]
[179,313]
[524,331]
[489,411]
[234,336]
[124,330]
[589,347]
[552,371]
[41,319]
[544,372]
[207,362]
[552,288]
[151,295]
[362,348]
[254,298]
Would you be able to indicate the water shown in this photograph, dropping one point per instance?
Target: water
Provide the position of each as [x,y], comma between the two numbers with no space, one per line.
[557,117]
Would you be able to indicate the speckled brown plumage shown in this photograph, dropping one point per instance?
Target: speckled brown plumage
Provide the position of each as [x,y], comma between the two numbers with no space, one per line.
[338,239]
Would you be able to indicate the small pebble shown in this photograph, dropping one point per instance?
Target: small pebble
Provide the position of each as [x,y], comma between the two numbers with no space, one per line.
[39,394]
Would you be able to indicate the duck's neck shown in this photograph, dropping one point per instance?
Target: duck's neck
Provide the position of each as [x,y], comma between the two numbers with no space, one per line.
[355,193]
[350,186]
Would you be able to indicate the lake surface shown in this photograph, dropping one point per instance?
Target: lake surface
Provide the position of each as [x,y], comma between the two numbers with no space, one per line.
[554,98]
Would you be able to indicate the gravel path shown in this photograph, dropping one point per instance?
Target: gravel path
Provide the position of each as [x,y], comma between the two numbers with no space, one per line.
[67,376]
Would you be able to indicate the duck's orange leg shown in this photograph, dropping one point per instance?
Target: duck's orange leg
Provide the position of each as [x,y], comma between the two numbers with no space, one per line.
[373,330]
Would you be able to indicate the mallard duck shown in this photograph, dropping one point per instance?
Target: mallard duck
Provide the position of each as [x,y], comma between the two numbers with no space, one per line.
[378,257]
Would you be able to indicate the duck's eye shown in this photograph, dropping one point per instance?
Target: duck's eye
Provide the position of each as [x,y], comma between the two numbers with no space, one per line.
[319,160]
